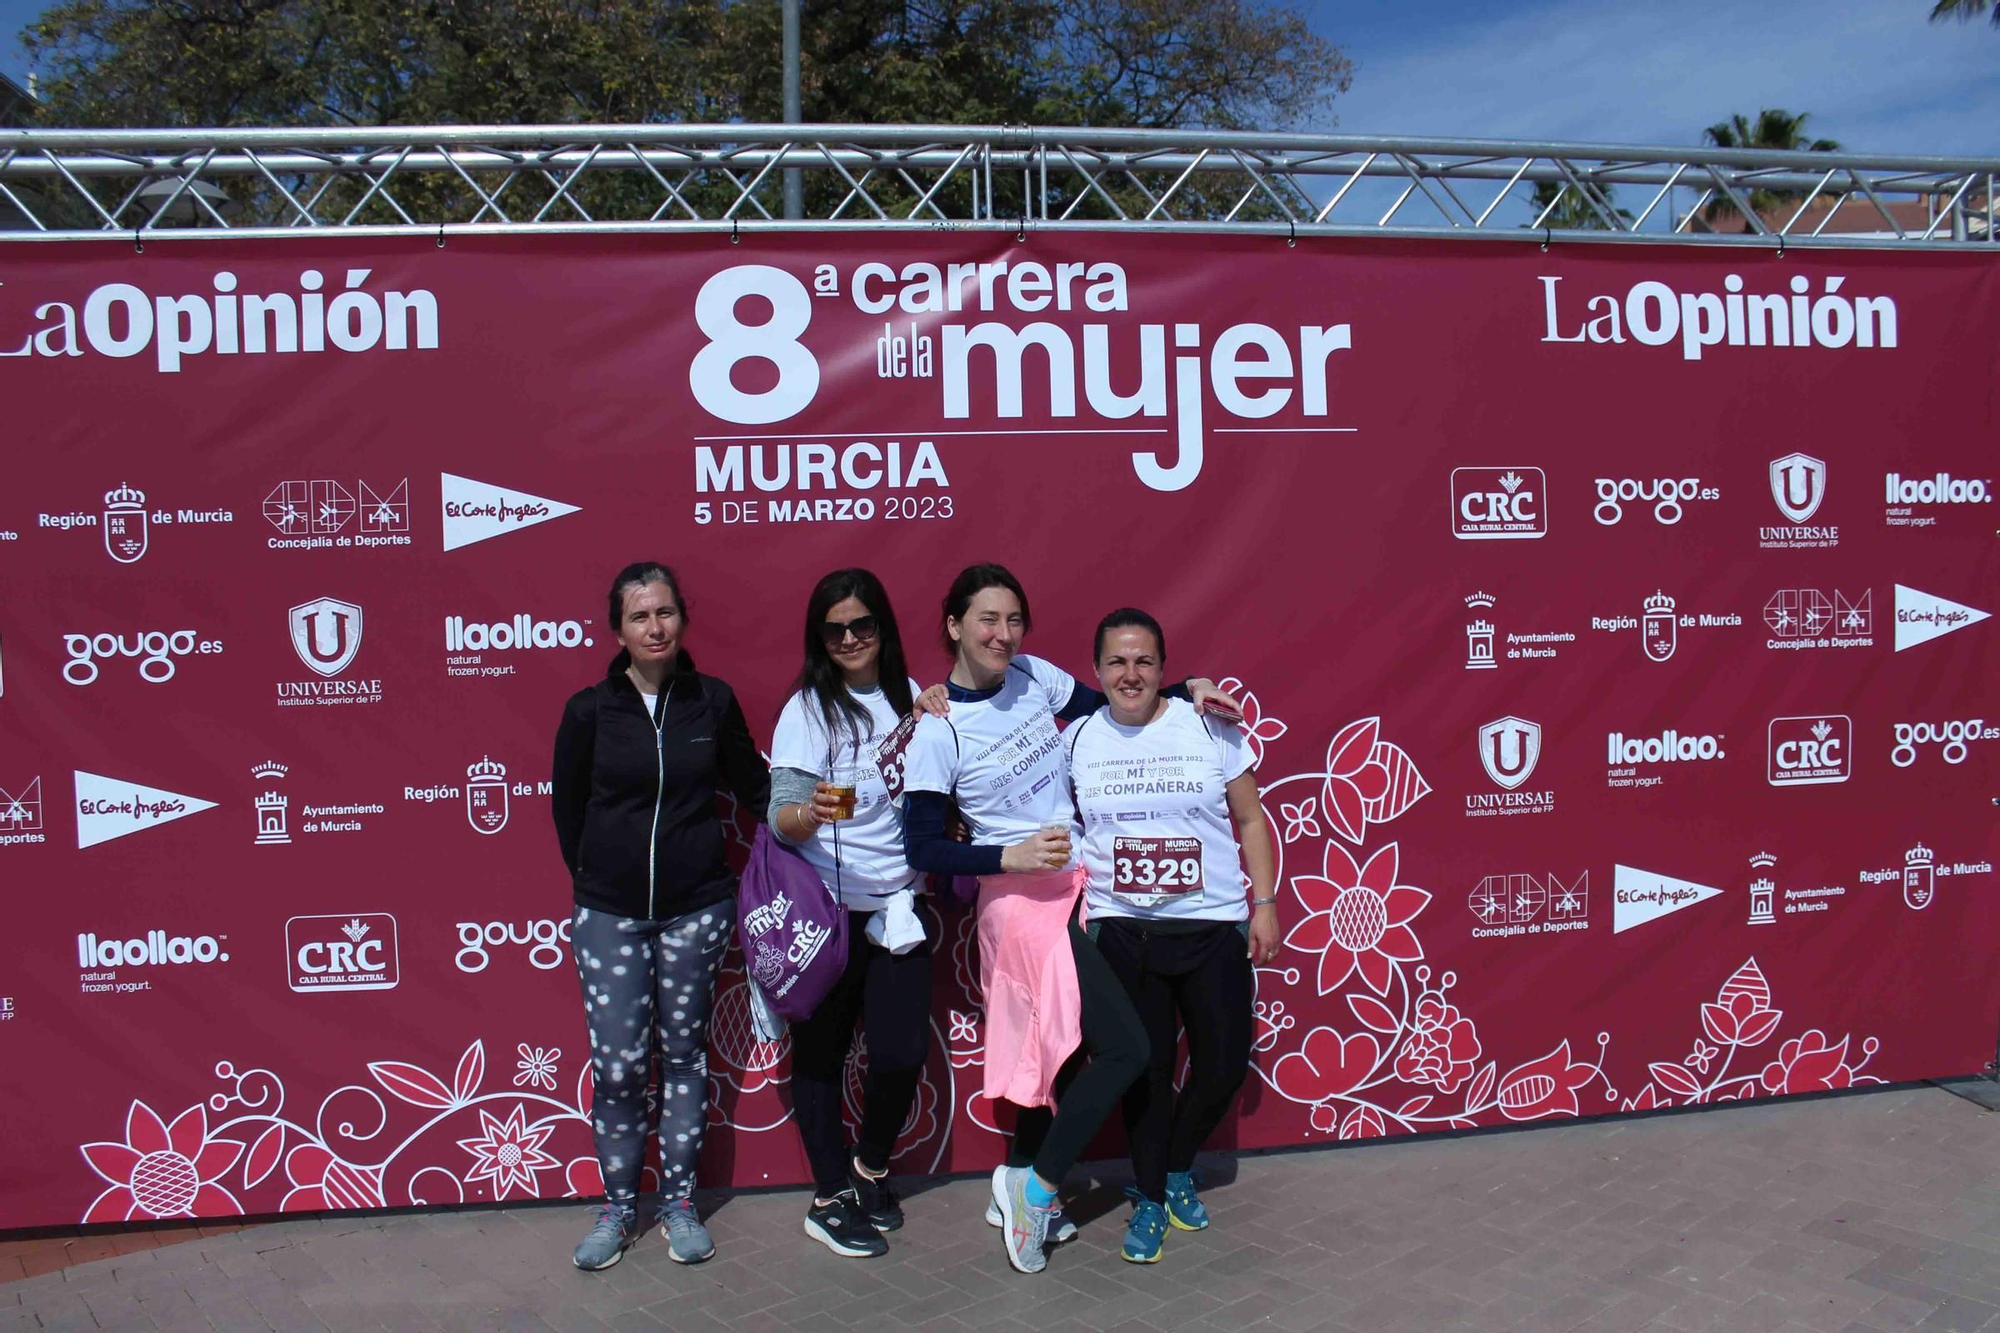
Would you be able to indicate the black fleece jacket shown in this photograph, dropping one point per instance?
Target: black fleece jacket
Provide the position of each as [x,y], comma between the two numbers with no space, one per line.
[634,793]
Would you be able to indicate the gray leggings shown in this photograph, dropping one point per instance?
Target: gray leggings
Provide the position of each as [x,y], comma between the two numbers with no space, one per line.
[640,977]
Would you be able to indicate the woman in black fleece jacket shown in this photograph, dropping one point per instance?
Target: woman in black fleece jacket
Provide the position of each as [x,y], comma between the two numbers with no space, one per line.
[639,760]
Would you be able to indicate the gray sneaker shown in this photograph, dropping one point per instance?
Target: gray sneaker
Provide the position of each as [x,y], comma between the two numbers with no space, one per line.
[1061,1229]
[688,1240]
[617,1226]
[1023,1227]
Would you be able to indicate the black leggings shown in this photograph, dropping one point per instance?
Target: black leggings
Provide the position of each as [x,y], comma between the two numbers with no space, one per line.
[891,995]
[1115,1042]
[1200,981]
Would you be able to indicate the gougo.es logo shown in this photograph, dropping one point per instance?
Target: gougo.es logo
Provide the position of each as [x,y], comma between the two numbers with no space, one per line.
[544,940]
[155,651]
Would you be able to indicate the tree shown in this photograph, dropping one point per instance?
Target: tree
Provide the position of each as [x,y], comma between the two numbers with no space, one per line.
[1773,129]
[1152,63]
[1964,10]
[1573,212]
[1221,64]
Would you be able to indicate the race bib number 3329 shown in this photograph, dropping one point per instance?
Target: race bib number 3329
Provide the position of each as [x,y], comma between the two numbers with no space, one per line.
[1152,870]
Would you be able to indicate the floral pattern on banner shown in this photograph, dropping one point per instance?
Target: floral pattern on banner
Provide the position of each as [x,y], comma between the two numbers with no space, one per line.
[1355,1031]
[1413,1057]
[467,1143]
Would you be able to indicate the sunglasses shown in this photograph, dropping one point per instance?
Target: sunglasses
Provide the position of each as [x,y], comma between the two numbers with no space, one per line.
[863,628]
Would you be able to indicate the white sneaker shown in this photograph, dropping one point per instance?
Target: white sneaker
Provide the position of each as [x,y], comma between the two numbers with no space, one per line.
[1023,1227]
[1061,1229]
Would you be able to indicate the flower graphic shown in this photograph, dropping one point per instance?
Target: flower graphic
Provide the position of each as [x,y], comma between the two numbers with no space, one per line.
[537,1066]
[321,1180]
[1300,820]
[162,1170]
[1742,1015]
[1807,1064]
[1357,919]
[1546,1086]
[1328,1065]
[1258,729]
[1441,1048]
[1353,778]
[1647,1100]
[508,1153]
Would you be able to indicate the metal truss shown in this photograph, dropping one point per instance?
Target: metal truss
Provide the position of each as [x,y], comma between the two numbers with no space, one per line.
[71,184]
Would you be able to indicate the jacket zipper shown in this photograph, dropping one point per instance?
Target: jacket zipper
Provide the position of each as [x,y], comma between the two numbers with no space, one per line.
[659,795]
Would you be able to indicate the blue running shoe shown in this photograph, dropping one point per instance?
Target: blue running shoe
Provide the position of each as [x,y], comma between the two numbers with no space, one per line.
[1184,1208]
[1146,1233]
[688,1241]
[611,1234]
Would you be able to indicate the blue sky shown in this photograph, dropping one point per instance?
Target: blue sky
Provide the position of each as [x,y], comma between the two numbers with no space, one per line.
[1874,73]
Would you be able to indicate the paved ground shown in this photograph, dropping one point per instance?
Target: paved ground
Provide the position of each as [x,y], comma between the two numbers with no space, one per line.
[1867,1212]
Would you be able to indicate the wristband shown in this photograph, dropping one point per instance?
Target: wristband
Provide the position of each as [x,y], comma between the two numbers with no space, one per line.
[1265,902]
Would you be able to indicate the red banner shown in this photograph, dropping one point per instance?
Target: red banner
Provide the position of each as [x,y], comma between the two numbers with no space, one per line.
[1613,624]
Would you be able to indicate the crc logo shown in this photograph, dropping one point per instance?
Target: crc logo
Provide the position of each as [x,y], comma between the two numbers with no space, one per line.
[1664,493]
[326,633]
[1508,748]
[352,952]
[546,939]
[1498,503]
[156,650]
[1806,751]
[1798,484]
[1956,737]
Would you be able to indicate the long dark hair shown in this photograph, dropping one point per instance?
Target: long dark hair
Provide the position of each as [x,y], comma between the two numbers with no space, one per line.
[822,675]
[971,581]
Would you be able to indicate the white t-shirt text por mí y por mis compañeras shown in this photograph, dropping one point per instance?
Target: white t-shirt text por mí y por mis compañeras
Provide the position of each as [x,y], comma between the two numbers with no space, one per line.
[1158,840]
[999,755]
[862,856]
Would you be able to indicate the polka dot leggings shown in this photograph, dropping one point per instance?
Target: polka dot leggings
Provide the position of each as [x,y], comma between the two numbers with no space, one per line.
[640,977]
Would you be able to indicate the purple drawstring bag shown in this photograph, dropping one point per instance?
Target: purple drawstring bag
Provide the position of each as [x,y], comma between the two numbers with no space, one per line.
[792,929]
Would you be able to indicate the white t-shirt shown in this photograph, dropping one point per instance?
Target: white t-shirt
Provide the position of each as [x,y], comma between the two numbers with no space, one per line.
[1000,756]
[869,849]
[1158,840]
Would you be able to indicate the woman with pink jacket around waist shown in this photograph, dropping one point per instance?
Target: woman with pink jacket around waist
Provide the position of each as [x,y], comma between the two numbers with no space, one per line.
[1059,1027]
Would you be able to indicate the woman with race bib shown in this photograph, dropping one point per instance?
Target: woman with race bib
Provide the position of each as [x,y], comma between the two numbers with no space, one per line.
[1050,999]
[1167,796]
[829,799]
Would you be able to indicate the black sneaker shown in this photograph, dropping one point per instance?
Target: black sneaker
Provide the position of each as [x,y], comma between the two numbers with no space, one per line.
[878,1202]
[841,1227]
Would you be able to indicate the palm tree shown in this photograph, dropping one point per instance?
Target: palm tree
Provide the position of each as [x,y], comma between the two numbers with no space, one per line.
[1773,129]
[1964,10]
[1574,213]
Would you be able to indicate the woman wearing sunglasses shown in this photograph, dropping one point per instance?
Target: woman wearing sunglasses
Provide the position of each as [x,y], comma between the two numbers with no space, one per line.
[1050,1000]
[829,798]
[1167,797]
